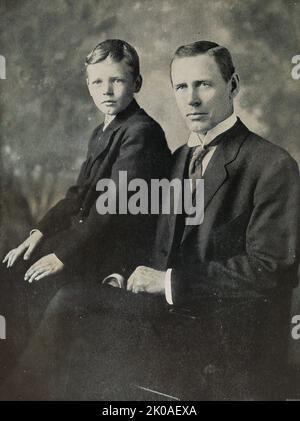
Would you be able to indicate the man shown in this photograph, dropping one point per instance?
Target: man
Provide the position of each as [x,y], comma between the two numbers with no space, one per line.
[246,251]
[251,193]
[228,280]
[73,241]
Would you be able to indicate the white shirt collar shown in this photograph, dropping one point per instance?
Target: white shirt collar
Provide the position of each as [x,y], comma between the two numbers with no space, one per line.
[196,139]
[107,120]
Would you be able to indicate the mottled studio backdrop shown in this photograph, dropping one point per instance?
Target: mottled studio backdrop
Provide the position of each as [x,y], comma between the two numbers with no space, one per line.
[47,114]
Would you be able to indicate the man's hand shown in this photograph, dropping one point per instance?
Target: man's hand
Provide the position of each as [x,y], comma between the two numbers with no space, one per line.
[26,247]
[145,279]
[47,265]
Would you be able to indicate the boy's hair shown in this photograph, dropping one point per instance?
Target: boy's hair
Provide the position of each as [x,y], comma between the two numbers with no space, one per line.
[118,50]
[221,54]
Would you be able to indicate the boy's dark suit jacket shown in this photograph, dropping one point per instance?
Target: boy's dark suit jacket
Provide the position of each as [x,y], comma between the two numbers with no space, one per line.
[246,246]
[84,239]
[90,245]
[248,243]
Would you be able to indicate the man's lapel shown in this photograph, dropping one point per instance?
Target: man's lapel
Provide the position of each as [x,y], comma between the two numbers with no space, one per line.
[168,224]
[216,173]
[178,172]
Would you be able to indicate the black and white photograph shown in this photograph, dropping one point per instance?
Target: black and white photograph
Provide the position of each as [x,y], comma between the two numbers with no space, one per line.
[149,201]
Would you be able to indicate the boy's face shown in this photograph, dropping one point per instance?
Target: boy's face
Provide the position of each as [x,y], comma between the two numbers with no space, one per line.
[111,85]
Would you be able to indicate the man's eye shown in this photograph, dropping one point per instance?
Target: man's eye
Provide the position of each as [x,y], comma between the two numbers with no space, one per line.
[205,84]
[118,80]
[179,87]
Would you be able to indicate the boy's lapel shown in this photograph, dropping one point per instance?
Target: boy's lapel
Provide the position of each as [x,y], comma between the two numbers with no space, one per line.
[105,137]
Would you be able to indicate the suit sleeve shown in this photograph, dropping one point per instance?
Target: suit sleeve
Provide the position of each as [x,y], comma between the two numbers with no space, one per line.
[272,244]
[141,155]
[58,218]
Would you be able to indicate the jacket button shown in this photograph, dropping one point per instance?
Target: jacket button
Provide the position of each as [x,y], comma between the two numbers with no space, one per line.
[81,209]
[80,221]
[164,252]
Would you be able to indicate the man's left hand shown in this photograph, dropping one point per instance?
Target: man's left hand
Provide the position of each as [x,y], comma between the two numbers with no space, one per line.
[145,279]
[46,266]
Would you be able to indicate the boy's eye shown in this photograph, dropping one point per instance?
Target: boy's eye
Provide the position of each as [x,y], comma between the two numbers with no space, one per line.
[204,84]
[118,81]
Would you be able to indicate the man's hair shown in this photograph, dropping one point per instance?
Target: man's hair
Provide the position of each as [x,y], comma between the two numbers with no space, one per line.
[221,54]
[117,50]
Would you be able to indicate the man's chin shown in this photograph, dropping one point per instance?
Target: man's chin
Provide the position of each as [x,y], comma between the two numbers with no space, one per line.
[198,127]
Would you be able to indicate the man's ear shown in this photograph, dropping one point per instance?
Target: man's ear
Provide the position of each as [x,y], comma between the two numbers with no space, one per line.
[234,85]
[138,84]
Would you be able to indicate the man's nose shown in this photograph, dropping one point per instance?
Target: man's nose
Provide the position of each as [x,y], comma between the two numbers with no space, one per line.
[193,97]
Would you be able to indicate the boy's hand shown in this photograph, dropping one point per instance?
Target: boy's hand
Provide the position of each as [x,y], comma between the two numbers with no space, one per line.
[47,265]
[26,247]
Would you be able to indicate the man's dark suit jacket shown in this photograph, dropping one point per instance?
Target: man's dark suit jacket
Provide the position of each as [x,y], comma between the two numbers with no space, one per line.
[246,246]
[248,243]
[81,237]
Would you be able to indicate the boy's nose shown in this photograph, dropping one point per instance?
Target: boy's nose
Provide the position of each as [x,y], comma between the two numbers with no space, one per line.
[108,89]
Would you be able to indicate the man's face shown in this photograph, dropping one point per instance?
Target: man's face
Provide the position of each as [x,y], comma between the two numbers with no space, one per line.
[203,97]
[111,85]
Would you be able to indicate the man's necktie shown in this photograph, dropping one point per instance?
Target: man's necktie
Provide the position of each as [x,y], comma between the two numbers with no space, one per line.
[195,166]
[198,153]
[196,162]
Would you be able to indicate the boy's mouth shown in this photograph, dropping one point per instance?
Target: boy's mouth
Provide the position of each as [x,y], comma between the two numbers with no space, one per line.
[108,102]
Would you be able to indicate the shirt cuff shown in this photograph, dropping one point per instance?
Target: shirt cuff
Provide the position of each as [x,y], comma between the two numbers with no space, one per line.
[34,230]
[115,280]
[168,288]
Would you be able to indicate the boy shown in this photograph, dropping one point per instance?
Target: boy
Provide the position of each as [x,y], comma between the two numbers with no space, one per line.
[73,241]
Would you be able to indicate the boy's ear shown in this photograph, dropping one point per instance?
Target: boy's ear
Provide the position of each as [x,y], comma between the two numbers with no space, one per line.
[138,84]
[87,84]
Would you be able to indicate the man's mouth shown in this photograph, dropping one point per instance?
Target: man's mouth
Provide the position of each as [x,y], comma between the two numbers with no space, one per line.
[196,115]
